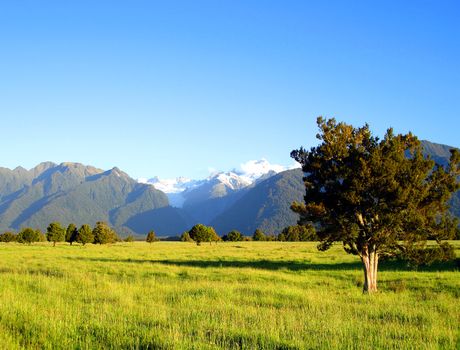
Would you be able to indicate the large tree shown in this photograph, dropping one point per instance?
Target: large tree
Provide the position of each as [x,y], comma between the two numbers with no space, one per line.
[377,197]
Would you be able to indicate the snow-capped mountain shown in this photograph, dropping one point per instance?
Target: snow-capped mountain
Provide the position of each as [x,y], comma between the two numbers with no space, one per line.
[183,191]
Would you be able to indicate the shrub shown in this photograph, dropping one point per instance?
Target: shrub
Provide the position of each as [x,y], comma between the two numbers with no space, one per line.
[7,237]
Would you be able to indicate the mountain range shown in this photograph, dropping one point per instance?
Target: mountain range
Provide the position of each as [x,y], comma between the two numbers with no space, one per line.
[258,195]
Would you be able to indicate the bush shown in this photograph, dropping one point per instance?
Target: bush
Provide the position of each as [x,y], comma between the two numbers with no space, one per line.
[7,237]
[259,236]
[233,236]
[28,235]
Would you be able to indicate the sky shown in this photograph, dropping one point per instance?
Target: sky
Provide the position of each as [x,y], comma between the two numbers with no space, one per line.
[176,88]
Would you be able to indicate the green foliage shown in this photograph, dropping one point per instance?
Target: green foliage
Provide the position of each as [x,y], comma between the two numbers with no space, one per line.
[185,237]
[55,233]
[28,235]
[85,234]
[103,234]
[8,237]
[378,197]
[299,233]
[151,237]
[233,236]
[259,235]
[201,233]
[71,233]
[41,236]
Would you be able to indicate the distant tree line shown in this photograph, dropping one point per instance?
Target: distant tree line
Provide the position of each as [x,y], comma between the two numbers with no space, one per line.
[201,233]
[55,232]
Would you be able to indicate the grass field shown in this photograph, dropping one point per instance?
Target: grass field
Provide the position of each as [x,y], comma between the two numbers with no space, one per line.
[248,295]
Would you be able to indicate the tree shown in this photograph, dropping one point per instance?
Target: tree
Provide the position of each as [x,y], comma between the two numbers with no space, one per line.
[185,237]
[259,235]
[151,237]
[85,235]
[55,233]
[299,233]
[7,237]
[378,197]
[201,233]
[234,236]
[40,236]
[71,233]
[103,234]
[28,235]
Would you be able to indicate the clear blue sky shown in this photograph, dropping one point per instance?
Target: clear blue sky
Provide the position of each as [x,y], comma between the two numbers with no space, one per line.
[172,88]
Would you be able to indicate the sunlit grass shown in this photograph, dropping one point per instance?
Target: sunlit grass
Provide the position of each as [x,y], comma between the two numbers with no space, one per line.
[249,295]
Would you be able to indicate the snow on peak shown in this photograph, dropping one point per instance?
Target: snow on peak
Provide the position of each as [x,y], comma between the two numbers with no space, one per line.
[177,185]
[248,173]
[232,180]
[255,169]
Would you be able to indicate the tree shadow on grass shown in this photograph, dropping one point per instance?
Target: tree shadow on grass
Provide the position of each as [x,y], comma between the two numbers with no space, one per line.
[389,265]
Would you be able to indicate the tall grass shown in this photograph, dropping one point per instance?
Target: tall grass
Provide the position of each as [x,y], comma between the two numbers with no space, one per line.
[249,295]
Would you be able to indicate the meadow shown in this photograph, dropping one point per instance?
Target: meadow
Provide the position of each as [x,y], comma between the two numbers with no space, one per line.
[244,295]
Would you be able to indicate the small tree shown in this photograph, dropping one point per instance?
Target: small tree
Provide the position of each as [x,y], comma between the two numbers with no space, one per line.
[103,234]
[85,234]
[259,235]
[28,235]
[378,197]
[7,237]
[55,233]
[151,237]
[71,233]
[234,236]
[201,233]
[185,237]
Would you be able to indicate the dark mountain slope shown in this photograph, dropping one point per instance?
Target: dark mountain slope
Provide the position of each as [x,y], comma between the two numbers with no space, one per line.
[265,206]
[72,192]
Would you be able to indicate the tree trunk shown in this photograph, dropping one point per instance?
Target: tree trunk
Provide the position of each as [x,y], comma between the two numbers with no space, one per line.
[370,259]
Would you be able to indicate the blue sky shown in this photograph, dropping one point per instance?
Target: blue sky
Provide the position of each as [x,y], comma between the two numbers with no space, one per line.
[174,88]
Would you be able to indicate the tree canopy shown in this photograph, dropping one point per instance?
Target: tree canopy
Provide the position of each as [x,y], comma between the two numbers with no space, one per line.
[55,233]
[201,233]
[71,233]
[104,234]
[85,234]
[28,235]
[377,197]
[233,236]
[151,237]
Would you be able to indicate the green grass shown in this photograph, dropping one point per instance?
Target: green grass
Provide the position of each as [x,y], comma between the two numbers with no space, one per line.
[249,295]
